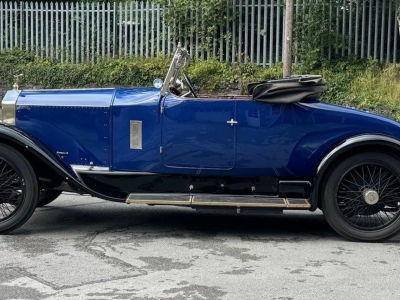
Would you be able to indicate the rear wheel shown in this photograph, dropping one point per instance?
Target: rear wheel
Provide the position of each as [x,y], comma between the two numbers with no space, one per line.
[47,196]
[361,199]
[18,189]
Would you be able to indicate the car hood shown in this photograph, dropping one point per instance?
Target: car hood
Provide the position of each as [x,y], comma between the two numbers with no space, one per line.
[83,97]
[77,122]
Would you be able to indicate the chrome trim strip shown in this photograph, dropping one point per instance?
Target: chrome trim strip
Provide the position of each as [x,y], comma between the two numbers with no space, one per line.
[76,89]
[158,202]
[170,199]
[85,169]
[201,198]
[115,172]
[239,204]
[63,105]
[9,103]
[357,139]
[295,181]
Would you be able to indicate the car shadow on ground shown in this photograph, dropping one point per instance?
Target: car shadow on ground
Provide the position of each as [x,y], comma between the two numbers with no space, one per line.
[170,220]
[103,216]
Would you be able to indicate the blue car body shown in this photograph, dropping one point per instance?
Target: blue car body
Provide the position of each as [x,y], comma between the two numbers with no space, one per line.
[278,140]
[191,136]
[148,145]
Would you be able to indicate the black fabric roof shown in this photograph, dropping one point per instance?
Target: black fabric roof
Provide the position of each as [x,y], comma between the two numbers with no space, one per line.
[288,90]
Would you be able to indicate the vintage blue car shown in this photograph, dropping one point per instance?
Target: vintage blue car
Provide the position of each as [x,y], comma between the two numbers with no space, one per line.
[274,149]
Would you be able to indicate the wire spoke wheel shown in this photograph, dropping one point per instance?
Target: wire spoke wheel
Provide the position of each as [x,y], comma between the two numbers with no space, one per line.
[12,190]
[361,199]
[368,196]
[18,189]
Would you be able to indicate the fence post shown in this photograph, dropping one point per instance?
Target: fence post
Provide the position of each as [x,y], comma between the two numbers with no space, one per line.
[16,40]
[287,60]
[21,23]
[396,31]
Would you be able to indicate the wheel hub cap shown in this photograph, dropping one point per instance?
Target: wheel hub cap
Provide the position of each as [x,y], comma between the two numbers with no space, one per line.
[371,197]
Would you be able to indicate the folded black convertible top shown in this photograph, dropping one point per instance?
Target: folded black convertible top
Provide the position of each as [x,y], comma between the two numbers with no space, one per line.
[288,90]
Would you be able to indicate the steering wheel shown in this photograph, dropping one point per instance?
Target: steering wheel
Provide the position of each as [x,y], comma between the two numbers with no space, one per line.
[190,85]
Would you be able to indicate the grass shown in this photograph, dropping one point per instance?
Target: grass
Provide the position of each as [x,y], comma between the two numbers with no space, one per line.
[378,89]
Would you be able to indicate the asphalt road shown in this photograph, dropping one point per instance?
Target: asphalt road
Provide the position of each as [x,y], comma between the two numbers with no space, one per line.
[80,247]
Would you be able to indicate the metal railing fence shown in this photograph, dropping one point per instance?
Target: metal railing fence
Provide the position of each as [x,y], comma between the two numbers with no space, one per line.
[254,29]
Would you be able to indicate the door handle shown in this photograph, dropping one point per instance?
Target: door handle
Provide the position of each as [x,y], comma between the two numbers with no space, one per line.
[232,122]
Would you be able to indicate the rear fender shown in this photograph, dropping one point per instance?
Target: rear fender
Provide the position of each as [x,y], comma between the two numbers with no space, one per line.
[351,146]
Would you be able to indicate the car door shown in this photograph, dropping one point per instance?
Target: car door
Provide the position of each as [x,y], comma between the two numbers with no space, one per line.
[198,133]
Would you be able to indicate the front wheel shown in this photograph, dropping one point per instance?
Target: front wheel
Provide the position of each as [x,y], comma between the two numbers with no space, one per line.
[18,189]
[361,199]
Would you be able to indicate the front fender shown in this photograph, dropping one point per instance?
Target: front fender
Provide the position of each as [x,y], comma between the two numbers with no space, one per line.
[355,144]
[20,140]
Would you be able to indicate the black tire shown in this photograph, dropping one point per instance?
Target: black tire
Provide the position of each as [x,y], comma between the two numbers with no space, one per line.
[361,197]
[47,196]
[18,189]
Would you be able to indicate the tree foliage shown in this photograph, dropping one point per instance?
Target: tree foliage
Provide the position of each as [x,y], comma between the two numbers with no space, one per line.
[315,33]
[188,18]
[398,17]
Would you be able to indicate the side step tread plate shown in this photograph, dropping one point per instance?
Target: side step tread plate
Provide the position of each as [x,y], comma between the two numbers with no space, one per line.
[217,200]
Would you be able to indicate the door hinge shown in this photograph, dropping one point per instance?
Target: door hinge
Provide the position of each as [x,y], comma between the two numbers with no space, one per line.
[160,149]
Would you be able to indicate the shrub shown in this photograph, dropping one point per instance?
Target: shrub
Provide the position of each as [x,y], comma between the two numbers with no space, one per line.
[361,83]
[378,90]
[51,74]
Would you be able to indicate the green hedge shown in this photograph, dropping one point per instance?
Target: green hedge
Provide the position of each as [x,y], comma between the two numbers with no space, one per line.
[361,83]
[52,74]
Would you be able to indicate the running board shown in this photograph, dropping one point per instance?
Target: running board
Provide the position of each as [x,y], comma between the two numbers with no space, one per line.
[217,200]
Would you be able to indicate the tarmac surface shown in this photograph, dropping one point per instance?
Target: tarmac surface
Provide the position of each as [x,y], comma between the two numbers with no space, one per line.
[80,247]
